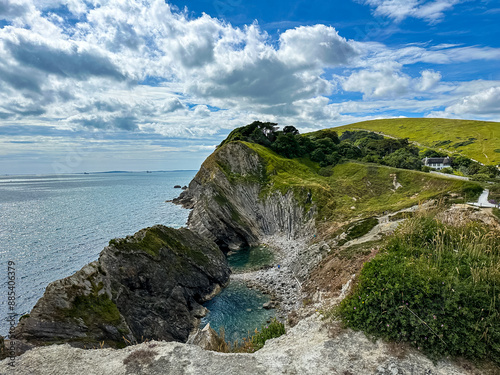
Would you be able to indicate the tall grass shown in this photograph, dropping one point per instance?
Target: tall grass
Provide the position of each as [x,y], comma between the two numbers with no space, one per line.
[434,285]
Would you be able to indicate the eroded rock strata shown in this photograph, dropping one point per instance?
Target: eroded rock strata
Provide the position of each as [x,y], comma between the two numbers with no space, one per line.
[146,286]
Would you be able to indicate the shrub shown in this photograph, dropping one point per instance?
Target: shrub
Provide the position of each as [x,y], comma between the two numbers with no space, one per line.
[481,177]
[447,170]
[435,286]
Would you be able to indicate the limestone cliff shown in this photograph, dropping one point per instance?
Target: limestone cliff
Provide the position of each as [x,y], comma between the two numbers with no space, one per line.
[146,286]
[234,205]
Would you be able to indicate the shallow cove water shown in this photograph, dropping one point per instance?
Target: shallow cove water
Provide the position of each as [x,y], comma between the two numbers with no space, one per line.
[250,258]
[237,308]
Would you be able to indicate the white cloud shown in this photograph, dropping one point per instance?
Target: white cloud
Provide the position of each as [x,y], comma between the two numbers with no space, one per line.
[485,102]
[143,67]
[429,80]
[382,81]
[430,11]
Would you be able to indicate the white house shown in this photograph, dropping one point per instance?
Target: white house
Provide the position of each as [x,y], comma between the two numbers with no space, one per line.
[437,163]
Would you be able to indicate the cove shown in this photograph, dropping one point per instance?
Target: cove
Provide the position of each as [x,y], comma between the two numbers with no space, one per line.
[250,258]
[239,310]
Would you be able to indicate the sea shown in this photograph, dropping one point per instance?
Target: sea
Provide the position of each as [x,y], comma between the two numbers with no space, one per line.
[53,225]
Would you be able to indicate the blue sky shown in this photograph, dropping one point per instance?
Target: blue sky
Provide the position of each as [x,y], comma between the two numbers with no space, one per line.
[94,85]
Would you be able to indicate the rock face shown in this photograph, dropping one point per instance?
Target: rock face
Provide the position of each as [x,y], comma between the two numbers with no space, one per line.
[230,204]
[146,286]
[308,348]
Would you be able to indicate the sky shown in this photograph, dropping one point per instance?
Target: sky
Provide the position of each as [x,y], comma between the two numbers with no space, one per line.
[96,85]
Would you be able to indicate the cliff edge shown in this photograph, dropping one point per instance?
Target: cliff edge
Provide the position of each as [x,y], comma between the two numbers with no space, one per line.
[146,286]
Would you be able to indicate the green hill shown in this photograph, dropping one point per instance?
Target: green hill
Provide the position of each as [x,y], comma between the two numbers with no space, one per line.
[353,189]
[478,140]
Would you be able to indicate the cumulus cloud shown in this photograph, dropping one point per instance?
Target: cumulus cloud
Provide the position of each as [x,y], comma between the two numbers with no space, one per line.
[430,11]
[10,10]
[144,67]
[382,81]
[429,80]
[485,102]
[317,45]
[66,60]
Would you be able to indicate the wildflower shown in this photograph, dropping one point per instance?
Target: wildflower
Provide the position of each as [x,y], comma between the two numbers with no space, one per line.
[442,325]
[387,325]
[434,316]
[354,307]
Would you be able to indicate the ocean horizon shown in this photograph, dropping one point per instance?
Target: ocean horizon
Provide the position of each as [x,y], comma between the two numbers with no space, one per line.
[51,225]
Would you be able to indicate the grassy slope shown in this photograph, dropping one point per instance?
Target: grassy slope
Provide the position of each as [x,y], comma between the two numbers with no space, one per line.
[367,187]
[430,132]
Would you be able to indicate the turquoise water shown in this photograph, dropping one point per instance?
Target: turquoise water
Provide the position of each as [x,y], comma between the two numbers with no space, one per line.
[250,258]
[239,310]
[51,226]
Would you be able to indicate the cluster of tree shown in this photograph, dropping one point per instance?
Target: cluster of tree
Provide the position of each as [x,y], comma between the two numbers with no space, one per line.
[326,148]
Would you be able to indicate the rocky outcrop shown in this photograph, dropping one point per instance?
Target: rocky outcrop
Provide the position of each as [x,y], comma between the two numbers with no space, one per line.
[233,203]
[147,286]
[308,348]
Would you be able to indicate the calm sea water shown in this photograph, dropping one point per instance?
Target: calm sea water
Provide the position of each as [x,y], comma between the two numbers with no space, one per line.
[51,226]
[239,310]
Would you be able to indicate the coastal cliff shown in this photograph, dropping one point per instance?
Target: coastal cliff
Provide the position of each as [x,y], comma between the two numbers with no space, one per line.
[233,202]
[146,286]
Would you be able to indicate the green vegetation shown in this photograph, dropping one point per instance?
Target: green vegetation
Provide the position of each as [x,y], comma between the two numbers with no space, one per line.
[151,240]
[272,330]
[494,195]
[369,188]
[250,345]
[477,140]
[358,229]
[496,212]
[434,286]
[94,308]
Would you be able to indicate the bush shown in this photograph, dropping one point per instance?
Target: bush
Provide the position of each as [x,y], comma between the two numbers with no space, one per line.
[434,286]
[481,177]
[447,170]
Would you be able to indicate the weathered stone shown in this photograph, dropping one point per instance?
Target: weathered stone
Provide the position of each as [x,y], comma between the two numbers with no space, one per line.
[146,286]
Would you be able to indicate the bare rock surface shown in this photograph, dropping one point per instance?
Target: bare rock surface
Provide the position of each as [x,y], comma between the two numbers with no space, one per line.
[150,285]
[308,348]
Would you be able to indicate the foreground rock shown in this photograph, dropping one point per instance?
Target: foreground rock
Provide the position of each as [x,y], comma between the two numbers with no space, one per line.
[308,348]
[147,286]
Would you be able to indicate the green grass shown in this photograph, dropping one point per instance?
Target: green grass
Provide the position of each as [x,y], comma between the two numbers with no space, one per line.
[355,189]
[434,286]
[478,140]
[358,229]
[496,212]
[151,240]
[94,308]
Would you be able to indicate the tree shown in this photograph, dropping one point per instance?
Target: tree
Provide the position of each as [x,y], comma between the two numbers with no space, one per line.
[290,130]
[287,145]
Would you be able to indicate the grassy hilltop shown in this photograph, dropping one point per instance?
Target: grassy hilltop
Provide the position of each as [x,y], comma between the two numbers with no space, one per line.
[355,189]
[479,140]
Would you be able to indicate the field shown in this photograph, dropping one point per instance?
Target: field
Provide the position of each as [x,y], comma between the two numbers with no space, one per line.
[478,140]
[355,189]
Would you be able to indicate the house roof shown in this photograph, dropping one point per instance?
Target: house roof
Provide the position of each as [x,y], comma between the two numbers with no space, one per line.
[445,160]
